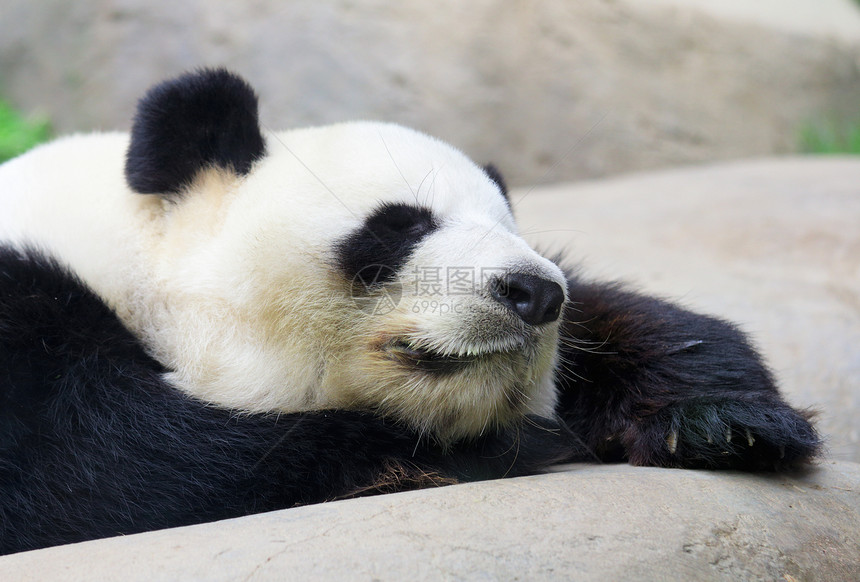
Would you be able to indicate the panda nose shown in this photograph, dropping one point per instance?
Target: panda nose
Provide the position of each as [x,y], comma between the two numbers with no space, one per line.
[533,299]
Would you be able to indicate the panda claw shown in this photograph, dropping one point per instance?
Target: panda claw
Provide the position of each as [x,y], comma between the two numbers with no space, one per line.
[672,442]
[750,439]
[729,435]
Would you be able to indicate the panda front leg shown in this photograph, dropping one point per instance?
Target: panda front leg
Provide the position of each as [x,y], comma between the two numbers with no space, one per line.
[644,380]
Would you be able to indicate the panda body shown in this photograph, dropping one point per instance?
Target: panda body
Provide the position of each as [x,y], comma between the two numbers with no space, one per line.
[202,320]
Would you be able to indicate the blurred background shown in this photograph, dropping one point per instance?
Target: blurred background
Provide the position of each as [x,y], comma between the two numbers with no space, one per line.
[547,89]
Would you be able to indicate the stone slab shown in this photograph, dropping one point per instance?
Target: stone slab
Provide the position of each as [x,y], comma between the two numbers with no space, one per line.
[584,523]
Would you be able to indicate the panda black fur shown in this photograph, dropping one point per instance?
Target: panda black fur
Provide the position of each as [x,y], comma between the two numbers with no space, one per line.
[106,427]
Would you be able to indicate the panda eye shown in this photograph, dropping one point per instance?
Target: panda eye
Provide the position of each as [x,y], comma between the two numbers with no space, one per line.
[387,238]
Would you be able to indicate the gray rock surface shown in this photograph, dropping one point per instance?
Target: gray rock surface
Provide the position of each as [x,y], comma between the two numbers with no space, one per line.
[773,245]
[586,523]
[551,90]
[829,18]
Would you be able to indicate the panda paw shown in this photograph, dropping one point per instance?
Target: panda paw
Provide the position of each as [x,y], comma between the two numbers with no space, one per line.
[724,434]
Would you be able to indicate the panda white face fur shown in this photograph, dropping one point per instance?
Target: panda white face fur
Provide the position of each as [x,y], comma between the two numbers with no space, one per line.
[360,265]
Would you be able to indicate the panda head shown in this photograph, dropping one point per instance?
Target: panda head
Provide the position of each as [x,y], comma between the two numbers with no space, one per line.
[360,265]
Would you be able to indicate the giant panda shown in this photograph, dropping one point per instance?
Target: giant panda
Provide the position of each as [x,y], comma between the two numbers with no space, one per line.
[204,319]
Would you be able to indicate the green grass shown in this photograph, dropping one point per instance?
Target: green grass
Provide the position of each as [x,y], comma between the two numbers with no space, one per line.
[18,134]
[829,138]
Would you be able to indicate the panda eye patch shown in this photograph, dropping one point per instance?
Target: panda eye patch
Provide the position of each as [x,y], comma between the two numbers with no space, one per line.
[387,238]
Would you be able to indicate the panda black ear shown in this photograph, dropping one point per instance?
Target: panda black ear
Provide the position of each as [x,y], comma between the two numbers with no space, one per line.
[184,125]
[496,176]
